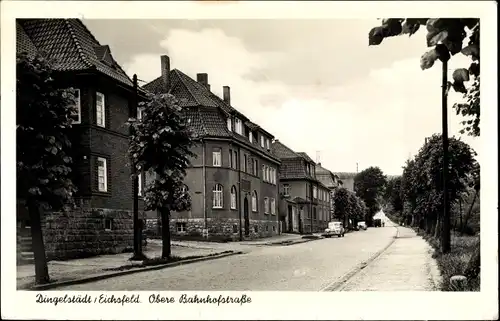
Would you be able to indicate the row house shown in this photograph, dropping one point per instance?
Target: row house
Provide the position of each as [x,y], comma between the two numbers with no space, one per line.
[331,181]
[233,181]
[102,222]
[305,201]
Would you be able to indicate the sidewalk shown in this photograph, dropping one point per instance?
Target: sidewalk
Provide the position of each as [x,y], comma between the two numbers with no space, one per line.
[82,268]
[407,265]
[246,246]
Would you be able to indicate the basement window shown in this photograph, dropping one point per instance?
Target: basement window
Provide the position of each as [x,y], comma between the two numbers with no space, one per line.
[235,228]
[256,229]
[108,224]
[181,227]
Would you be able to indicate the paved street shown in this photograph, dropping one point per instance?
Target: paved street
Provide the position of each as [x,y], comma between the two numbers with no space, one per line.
[310,266]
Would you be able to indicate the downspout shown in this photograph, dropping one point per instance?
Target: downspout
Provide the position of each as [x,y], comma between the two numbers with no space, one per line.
[204,176]
[239,193]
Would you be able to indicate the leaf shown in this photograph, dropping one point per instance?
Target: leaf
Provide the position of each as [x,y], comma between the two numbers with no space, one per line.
[459,87]
[474,69]
[461,75]
[35,191]
[436,38]
[375,36]
[54,150]
[472,51]
[427,60]
[442,52]
[409,27]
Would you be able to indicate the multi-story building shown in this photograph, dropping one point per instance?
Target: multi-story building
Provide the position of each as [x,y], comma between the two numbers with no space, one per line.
[103,219]
[233,180]
[331,181]
[346,180]
[301,190]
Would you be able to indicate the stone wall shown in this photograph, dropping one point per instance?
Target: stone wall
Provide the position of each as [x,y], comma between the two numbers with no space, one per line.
[87,232]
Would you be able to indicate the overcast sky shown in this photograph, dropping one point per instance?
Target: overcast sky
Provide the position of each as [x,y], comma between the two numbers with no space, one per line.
[316,85]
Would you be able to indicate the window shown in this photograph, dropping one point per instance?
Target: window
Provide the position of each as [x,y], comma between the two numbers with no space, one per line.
[230,158]
[235,160]
[315,192]
[218,196]
[139,184]
[216,157]
[264,172]
[139,113]
[245,164]
[262,141]
[233,198]
[255,167]
[102,177]
[108,225]
[266,205]
[254,201]
[286,189]
[256,229]
[100,110]
[274,228]
[273,206]
[238,126]
[250,137]
[235,228]
[229,124]
[267,228]
[77,113]
[181,227]
[268,145]
[273,176]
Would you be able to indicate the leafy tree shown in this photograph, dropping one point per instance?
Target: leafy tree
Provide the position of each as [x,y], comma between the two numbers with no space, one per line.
[393,194]
[44,116]
[161,145]
[341,204]
[446,36]
[369,185]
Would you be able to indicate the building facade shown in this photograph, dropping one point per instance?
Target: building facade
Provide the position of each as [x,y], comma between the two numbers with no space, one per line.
[301,190]
[233,179]
[331,181]
[346,180]
[102,222]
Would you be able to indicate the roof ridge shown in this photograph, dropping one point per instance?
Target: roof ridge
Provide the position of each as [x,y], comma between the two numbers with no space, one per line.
[181,76]
[77,43]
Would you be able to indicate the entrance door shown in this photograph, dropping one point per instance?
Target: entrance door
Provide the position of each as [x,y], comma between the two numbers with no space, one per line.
[290,218]
[246,217]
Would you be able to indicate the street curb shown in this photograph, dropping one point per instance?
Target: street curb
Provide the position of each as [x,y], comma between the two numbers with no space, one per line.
[337,285]
[126,272]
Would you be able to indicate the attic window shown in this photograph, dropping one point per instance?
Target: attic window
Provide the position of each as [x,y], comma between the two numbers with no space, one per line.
[103,53]
[238,126]
[229,124]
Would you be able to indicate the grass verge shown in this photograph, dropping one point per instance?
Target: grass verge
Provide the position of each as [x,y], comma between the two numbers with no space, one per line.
[455,262]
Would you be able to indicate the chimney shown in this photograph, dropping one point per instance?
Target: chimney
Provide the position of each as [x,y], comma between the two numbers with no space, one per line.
[227,94]
[165,72]
[202,78]
[319,164]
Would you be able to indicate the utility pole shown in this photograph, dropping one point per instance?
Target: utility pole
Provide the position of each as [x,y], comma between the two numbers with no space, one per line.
[356,167]
[445,233]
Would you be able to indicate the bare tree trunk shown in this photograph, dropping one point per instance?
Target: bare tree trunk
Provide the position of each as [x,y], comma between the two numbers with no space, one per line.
[437,226]
[166,251]
[41,269]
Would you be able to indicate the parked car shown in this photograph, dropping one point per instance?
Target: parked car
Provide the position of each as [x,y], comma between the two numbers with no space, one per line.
[334,228]
[362,225]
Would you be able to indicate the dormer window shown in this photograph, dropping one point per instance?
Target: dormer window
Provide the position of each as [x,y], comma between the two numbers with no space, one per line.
[262,141]
[229,124]
[268,144]
[238,126]
[250,136]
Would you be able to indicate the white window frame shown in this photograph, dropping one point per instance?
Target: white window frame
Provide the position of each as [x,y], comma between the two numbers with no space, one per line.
[105,176]
[262,141]
[250,136]
[99,111]
[255,203]
[217,158]
[268,144]
[181,226]
[233,198]
[264,173]
[238,126]
[78,107]
[139,184]
[139,113]
[273,206]
[286,189]
[266,205]
[234,161]
[218,196]
[315,192]
[229,124]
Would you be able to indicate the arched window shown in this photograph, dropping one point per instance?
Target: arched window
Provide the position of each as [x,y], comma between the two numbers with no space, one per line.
[218,196]
[254,201]
[233,198]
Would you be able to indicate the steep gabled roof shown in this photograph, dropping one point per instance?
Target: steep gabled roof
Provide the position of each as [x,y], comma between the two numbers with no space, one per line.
[282,151]
[306,157]
[325,176]
[207,113]
[70,44]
